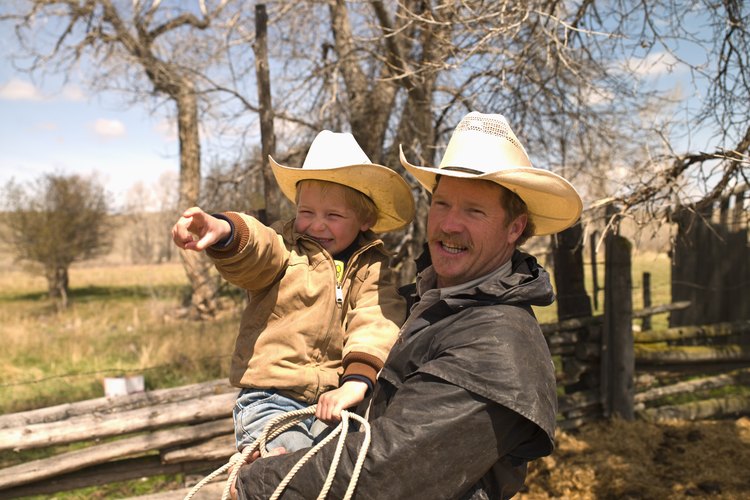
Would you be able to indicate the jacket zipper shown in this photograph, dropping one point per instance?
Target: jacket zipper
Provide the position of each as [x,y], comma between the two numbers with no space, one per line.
[339,294]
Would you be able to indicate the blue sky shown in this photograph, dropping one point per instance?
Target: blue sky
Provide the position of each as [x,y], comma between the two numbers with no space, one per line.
[55,128]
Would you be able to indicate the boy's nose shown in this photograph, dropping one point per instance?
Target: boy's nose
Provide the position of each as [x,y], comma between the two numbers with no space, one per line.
[318,224]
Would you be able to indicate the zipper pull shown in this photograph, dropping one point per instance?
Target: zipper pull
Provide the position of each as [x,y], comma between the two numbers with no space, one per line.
[339,279]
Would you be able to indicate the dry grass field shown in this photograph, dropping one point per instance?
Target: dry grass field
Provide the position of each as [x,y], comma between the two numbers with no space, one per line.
[122,320]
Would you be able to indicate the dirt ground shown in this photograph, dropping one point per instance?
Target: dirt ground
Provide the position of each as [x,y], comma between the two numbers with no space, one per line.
[641,460]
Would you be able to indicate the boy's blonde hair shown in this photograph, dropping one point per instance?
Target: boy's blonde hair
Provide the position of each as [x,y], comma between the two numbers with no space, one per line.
[359,202]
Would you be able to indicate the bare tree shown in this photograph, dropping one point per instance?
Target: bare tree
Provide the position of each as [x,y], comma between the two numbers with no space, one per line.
[572,77]
[55,221]
[147,50]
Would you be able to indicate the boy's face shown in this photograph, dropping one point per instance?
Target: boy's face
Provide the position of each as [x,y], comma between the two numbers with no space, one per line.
[324,215]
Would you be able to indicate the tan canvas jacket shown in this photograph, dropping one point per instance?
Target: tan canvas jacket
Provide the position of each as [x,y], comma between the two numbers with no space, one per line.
[295,336]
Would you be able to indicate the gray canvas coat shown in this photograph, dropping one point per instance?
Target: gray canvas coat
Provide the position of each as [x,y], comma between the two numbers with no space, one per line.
[466,398]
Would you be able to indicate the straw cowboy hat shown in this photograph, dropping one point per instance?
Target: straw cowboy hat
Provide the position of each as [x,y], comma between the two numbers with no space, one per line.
[336,157]
[484,147]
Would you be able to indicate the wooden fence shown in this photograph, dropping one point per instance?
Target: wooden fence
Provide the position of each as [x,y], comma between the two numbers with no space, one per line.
[690,370]
[184,430]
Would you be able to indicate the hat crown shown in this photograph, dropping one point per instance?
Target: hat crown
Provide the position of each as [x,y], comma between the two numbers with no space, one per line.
[485,143]
[334,150]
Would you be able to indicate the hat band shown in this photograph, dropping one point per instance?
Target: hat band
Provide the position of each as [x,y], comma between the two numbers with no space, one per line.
[463,169]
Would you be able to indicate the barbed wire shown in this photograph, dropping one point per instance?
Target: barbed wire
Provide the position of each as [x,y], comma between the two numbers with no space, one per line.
[106,370]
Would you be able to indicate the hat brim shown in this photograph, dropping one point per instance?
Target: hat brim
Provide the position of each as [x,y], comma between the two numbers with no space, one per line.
[554,204]
[385,187]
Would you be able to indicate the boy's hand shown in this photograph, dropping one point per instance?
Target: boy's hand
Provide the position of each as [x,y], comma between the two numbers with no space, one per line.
[196,230]
[332,402]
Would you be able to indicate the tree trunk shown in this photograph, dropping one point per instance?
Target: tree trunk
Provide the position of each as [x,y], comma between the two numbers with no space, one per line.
[271,192]
[57,285]
[197,266]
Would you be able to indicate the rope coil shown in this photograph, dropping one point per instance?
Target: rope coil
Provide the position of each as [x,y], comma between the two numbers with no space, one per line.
[280,424]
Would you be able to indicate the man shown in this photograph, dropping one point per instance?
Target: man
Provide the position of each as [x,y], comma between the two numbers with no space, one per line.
[467,396]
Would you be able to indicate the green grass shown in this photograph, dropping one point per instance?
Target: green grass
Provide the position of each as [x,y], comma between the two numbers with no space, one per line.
[122,320]
[657,264]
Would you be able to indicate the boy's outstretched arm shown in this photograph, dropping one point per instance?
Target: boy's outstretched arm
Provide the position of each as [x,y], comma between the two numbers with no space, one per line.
[196,230]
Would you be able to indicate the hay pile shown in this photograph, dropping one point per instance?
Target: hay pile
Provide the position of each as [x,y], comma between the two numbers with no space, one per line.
[642,460]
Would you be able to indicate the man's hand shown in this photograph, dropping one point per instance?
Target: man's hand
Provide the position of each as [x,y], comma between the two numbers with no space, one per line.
[252,458]
[196,230]
[331,403]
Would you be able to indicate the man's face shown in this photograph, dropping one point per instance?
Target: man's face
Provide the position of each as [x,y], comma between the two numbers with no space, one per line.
[467,230]
[324,215]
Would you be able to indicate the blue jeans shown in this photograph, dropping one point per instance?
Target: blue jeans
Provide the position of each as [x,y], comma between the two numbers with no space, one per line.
[254,408]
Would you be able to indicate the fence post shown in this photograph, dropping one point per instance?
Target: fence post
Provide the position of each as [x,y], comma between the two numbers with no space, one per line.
[646,324]
[594,271]
[572,300]
[617,356]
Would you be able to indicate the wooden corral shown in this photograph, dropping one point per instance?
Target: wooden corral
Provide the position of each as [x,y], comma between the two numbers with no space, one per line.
[711,262]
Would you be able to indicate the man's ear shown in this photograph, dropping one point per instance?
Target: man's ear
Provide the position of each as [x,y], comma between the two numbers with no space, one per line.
[516,227]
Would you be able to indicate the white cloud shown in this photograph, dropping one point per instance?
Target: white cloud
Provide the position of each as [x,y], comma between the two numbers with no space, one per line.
[46,126]
[594,96]
[73,93]
[652,65]
[108,128]
[167,129]
[19,90]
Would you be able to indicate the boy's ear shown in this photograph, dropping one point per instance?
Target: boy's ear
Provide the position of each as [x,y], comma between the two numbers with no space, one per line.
[365,226]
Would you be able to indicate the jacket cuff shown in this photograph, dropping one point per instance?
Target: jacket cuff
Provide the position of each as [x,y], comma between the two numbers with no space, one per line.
[241,235]
[362,365]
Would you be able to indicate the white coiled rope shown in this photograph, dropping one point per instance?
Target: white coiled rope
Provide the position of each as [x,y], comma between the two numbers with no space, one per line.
[276,427]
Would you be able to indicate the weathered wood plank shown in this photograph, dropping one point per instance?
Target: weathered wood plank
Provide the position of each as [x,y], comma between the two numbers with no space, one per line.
[654,354]
[650,311]
[698,410]
[112,472]
[98,454]
[687,386]
[89,427]
[691,332]
[220,447]
[110,405]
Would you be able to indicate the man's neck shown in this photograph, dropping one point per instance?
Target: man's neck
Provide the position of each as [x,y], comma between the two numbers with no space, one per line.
[429,280]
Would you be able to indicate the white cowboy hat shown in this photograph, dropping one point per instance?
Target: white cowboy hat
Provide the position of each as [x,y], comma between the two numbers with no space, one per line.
[484,147]
[336,157]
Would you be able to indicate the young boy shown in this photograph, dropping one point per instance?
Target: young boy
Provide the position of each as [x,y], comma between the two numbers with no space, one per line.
[323,308]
